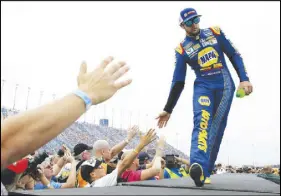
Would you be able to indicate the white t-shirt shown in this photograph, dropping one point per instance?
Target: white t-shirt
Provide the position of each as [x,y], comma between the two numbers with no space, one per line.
[108,180]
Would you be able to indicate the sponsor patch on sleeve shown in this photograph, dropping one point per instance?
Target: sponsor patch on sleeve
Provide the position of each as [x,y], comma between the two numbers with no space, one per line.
[179,49]
[216,30]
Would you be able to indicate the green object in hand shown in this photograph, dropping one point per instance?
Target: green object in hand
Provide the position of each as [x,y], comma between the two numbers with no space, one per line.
[240,93]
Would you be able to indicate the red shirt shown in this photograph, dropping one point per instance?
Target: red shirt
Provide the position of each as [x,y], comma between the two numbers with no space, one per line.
[131,176]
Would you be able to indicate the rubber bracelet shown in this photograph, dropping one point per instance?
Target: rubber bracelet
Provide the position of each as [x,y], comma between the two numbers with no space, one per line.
[136,151]
[84,97]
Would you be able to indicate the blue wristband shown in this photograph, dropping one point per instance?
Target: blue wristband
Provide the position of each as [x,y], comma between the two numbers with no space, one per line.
[84,97]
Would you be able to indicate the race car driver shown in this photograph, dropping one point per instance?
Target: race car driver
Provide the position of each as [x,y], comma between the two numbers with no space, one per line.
[203,50]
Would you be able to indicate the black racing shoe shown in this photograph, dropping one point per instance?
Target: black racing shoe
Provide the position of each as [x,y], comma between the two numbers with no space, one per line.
[196,173]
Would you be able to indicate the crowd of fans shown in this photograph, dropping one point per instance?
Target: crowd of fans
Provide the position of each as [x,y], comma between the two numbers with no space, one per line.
[90,165]
[271,173]
[85,153]
[220,169]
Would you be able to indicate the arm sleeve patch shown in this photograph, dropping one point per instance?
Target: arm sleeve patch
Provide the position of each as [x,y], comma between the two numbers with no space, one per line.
[179,49]
[216,30]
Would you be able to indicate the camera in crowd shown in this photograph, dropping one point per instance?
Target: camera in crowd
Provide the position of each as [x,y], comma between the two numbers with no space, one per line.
[60,153]
[32,169]
[171,161]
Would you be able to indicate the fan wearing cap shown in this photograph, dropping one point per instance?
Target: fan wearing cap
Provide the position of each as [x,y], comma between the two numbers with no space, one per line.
[81,153]
[95,174]
[144,158]
[203,50]
[11,175]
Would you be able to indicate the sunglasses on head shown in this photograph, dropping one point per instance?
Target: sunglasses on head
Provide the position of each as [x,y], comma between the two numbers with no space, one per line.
[192,21]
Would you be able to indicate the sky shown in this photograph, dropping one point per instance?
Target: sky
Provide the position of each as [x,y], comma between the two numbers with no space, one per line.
[44,43]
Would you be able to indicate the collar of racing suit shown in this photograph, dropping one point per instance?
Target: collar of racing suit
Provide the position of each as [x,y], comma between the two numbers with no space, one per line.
[194,37]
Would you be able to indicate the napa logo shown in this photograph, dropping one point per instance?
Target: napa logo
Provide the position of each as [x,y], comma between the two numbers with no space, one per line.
[204,100]
[207,57]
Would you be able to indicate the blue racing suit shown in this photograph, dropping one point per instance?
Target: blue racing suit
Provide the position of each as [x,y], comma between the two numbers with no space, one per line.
[213,90]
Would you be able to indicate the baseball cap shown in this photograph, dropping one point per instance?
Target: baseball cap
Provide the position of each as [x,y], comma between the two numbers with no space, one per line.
[187,14]
[88,166]
[81,147]
[93,162]
[143,156]
[19,166]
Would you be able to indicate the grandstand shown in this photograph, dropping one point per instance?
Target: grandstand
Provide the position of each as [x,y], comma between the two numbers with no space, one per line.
[88,133]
